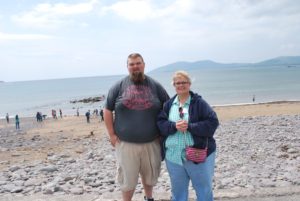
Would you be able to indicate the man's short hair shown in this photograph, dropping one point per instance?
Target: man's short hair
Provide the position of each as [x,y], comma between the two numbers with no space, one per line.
[135,55]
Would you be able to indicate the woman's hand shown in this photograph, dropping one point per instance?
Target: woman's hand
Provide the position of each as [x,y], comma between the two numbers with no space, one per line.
[182,126]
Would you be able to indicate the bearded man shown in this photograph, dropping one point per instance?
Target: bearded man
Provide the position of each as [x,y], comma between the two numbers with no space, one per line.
[136,101]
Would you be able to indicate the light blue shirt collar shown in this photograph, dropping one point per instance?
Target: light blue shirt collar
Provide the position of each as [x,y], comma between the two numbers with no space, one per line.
[187,102]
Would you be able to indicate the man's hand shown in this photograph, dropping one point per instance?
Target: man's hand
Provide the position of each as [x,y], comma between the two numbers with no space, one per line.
[114,139]
[108,120]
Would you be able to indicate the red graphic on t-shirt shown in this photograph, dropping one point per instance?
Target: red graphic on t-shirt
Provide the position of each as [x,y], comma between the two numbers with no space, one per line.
[137,97]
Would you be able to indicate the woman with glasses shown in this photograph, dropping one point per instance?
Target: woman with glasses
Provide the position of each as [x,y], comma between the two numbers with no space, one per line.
[187,120]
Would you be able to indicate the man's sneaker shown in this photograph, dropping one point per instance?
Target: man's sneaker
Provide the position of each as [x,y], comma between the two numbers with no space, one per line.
[148,199]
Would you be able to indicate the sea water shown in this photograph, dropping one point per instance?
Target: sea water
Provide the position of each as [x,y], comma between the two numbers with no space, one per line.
[237,85]
[218,86]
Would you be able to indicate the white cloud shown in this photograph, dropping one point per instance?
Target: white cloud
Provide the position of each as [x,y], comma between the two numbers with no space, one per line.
[10,37]
[214,18]
[134,10]
[65,9]
[48,15]
[140,10]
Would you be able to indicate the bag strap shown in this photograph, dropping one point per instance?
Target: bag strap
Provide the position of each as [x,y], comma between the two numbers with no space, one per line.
[206,147]
[185,139]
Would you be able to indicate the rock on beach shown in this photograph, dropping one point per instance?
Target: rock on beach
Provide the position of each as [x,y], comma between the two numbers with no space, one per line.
[253,154]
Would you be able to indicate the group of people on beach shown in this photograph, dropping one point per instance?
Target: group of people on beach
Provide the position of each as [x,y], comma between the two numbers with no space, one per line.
[95,113]
[40,117]
[17,120]
[146,126]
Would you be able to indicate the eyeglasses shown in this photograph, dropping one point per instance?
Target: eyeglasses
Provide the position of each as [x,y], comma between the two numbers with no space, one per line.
[181,114]
[180,83]
[133,64]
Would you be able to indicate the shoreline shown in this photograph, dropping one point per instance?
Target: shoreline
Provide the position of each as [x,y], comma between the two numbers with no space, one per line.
[70,109]
[73,113]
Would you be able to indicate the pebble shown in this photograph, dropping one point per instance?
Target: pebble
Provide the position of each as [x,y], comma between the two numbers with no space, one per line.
[252,152]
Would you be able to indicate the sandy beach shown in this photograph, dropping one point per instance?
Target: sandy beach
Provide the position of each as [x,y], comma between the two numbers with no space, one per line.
[230,112]
[68,156]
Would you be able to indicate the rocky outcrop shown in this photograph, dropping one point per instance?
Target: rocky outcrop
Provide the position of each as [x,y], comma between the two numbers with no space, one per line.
[89,100]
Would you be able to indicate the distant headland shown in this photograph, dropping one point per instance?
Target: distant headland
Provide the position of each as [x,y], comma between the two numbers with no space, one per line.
[285,61]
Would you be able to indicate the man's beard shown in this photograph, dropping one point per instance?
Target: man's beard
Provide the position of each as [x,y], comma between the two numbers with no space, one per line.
[137,77]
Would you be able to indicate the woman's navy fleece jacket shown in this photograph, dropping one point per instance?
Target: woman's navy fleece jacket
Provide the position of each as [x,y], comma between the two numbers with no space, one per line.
[202,124]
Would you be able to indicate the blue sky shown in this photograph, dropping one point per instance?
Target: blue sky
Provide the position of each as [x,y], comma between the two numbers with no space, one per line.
[43,39]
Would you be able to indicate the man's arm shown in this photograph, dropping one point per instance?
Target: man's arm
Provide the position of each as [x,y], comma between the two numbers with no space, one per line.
[108,120]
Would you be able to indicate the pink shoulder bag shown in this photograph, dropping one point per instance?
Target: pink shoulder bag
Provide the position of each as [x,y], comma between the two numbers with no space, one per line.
[195,154]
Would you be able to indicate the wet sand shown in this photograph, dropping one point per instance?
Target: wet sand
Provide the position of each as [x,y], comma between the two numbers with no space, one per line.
[230,112]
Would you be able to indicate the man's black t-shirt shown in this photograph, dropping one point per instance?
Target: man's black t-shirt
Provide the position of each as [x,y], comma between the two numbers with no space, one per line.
[136,107]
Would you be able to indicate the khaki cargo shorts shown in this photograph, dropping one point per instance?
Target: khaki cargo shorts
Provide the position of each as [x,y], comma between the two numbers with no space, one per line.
[137,158]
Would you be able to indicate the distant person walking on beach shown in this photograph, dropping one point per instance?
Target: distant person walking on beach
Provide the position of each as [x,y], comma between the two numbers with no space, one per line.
[136,101]
[77,112]
[188,121]
[7,118]
[17,121]
[39,117]
[60,113]
[54,114]
[101,115]
[253,98]
[88,115]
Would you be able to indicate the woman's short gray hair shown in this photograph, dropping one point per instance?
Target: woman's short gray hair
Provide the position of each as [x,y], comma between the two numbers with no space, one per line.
[181,74]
